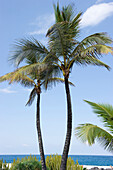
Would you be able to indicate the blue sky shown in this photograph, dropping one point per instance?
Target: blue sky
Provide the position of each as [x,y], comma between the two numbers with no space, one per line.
[19,19]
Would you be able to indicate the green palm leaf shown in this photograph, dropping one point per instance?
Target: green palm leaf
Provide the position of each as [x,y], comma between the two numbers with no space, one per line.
[66,14]
[62,36]
[27,49]
[94,39]
[96,50]
[61,39]
[90,55]
[6,77]
[86,58]
[90,133]
[58,15]
[32,68]
[97,38]
[18,77]
[23,80]
[105,112]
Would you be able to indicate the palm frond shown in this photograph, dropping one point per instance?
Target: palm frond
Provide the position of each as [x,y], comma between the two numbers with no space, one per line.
[58,15]
[18,78]
[63,34]
[105,112]
[32,68]
[96,50]
[6,77]
[86,60]
[28,49]
[94,39]
[22,79]
[65,14]
[97,38]
[75,24]
[31,97]
[68,12]
[90,133]
[61,38]
[90,56]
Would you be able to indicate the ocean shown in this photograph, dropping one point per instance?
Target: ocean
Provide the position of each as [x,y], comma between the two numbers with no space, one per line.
[82,159]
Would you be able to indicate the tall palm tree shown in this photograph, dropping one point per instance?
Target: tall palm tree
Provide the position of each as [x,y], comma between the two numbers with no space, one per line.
[32,80]
[68,50]
[36,75]
[90,133]
[32,52]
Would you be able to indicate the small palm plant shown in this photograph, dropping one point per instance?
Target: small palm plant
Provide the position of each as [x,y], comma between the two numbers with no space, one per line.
[90,133]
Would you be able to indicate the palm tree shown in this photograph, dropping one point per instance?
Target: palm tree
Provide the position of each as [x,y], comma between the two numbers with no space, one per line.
[90,133]
[67,50]
[33,53]
[36,75]
[30,81]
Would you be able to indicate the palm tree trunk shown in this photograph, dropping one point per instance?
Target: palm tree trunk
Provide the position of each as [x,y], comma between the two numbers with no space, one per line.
[39,134]
[69,127]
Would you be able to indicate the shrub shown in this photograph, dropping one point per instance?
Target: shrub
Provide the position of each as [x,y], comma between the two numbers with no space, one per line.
[53,162]
[27,163]
[4,166]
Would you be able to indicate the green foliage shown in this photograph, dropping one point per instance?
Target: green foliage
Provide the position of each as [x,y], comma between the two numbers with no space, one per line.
[53,162]
[27,163]
[77,166]
[105,112]
[65,15]
[4,166]
[29,49]
[63,40]
[90,133]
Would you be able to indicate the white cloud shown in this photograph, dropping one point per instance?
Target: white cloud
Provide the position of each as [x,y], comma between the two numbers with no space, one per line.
[96,13]
[43,23]
[92,16]
[7,90]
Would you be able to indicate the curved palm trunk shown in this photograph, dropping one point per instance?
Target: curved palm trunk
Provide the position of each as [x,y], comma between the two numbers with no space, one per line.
[69,127]
[39,134]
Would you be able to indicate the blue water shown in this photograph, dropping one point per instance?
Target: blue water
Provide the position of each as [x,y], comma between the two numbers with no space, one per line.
[82,159]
